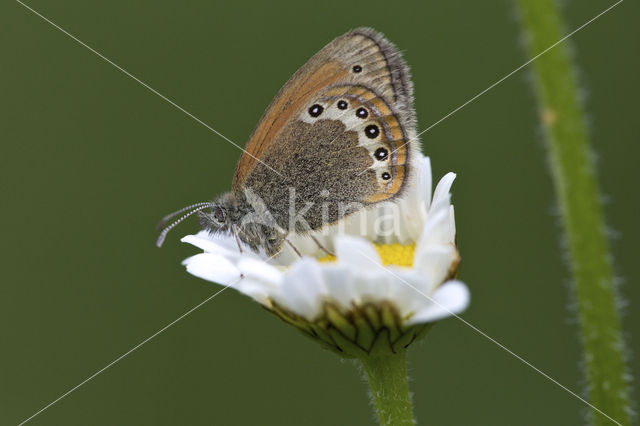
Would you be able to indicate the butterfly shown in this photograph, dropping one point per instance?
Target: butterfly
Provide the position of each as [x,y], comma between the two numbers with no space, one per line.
[336,139]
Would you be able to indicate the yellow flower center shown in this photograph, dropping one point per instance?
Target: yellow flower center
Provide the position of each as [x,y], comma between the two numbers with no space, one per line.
[391,254]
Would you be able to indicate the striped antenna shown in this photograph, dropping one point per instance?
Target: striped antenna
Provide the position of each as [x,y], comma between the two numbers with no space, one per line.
[194,208]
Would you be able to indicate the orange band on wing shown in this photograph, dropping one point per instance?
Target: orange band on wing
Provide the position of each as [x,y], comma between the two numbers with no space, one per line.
[395,186]
[287,103]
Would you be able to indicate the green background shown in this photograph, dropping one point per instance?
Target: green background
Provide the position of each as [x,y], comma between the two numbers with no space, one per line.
[90,160]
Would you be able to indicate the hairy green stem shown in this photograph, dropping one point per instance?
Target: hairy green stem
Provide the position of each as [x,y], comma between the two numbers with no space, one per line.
[577,192]
[387,377]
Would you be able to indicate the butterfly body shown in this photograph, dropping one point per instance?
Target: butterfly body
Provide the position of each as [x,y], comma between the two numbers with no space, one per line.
[337,138]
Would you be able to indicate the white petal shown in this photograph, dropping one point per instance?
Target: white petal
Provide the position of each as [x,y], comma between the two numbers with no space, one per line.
[443,188]
[206,242]
[339,280]
[434,261]
[452,225]
[356,252]
[424,181]
[213,267]
[255,289]
[413,220]
[189,259]
[407,288]
[450,299]
[436,230]
[374,283]
[303,289]
[259,270]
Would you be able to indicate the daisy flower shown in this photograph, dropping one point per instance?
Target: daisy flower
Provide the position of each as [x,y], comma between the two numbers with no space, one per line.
[392,276]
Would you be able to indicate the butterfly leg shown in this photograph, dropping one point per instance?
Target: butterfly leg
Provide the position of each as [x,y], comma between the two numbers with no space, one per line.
[321,246]
[293,247]
[235,234]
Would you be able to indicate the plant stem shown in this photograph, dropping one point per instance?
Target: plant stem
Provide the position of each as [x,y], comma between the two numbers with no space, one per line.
[387,376]
[577,192]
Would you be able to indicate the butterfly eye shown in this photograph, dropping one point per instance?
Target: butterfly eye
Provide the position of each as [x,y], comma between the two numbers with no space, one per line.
[381,154]
[315,110]
[386,176]
[372,131]
[343,105]
[219,214]
[357,68]
[362,113]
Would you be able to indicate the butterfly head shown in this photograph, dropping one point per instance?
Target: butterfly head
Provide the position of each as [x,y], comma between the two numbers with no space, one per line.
[218,219]
[253,226]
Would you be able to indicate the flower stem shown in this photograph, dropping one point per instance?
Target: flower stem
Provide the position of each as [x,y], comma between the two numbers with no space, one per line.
[577,192]
[387,376]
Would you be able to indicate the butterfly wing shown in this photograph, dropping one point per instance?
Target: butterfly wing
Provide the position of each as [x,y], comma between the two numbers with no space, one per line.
[338,131]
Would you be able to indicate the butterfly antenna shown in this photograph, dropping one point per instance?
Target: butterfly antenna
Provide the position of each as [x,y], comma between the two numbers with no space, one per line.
[165,231]
[164,220]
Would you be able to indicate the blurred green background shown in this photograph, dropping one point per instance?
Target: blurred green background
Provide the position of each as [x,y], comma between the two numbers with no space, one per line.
[91,160]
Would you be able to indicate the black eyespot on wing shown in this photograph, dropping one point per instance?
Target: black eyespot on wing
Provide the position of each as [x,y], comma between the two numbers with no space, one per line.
[315,110]
[386,176]
[381,154]
[372,131]
[343,104]
[362,113]
[357,68]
